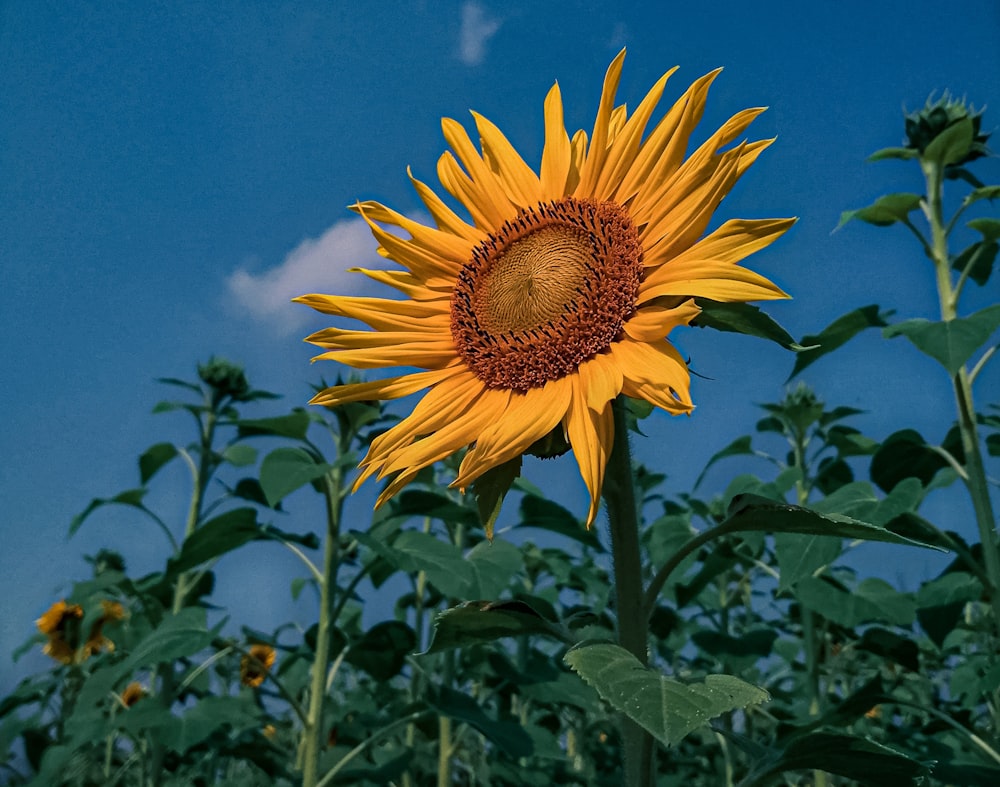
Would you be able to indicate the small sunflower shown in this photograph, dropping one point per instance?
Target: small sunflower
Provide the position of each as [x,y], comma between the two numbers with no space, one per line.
[61,625]
[132,693]
[255,665]
[560,293]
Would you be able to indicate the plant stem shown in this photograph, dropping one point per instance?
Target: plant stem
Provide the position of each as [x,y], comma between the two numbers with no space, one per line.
[948,297]
[619,494]
[313,730]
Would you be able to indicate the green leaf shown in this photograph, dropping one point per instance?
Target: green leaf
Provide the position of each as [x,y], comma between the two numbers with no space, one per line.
[983,192]
[412,552]
[751,512]
[951,145]
[990,228]
[949,342]
[800,556]
[491,488]
[196,725]
[383,649]
[905,454]
[508,735]
[294,426]
[240,455]
[494,564]
[884,211]
[153,459]
[742,318]
[838,333]
[667,709]
[477,622]
[421,503]
[978,259]
[544,514]
[222,534]
[130,497]
[741,446]
[851,756]
[898,153]
[873,600]
[755,643]
[286,469]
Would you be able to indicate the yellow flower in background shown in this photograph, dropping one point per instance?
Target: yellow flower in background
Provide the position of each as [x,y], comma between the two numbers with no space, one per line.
[61,625]
[255,665]
[558,296]
[134,692]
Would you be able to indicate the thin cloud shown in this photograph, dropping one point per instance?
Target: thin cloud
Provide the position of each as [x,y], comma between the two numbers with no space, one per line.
[315,265]
[477,29]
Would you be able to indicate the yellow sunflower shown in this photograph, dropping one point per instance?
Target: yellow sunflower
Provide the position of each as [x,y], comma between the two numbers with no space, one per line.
[558,296]
[255,665]
[61,625]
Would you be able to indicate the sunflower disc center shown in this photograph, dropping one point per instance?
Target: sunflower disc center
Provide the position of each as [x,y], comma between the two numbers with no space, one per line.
[546,291]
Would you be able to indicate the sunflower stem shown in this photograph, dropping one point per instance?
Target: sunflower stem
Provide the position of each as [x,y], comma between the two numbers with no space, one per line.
[313,730]
[948,294]
[623,515]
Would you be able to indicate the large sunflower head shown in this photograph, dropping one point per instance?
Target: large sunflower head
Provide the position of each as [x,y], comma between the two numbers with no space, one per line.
[560,293]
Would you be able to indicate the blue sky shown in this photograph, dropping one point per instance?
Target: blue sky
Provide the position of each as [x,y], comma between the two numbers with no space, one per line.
[172,173]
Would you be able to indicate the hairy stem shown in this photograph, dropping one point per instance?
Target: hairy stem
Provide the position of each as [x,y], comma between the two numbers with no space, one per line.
[619,493]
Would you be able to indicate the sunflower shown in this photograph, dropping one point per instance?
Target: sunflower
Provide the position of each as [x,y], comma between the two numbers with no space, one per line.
[255,665]
[61,625]
[560,293]
[132,693]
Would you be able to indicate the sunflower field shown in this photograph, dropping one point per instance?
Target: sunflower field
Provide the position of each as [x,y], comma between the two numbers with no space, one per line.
[469,629]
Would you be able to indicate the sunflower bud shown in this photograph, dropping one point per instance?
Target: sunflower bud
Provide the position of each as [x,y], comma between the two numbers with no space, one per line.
[947,128]
[225,378]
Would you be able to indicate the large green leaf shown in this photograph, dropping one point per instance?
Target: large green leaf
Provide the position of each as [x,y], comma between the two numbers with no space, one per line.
[873,600]
[949,342]
[742,318]
[751,512]
[412,551]
[286,469]
[294,426]
[838,333]
[667,709]
[382,650]
[884,211]
[494,564]
[864,760]
[222,534]
[508,735]
[951,145]
[476,622]
[539,512]
[800,556]
[180,733]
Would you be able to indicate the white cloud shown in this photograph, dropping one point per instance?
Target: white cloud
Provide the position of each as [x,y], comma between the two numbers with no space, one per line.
[477,29]
[315,265]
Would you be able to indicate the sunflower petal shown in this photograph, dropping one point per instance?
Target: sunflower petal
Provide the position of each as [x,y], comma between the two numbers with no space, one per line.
[528,417]
[591,433]
[598,150]
[651,323]
[519,181]
[556,152]
[445,218]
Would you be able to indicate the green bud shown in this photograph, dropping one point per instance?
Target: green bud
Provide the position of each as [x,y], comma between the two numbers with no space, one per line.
[929,123]
[225,378]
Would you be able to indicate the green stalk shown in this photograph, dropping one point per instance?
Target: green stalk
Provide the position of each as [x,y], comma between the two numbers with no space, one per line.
[623,515]
[948,297]
[809,637]
[313,730]
[165,671]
